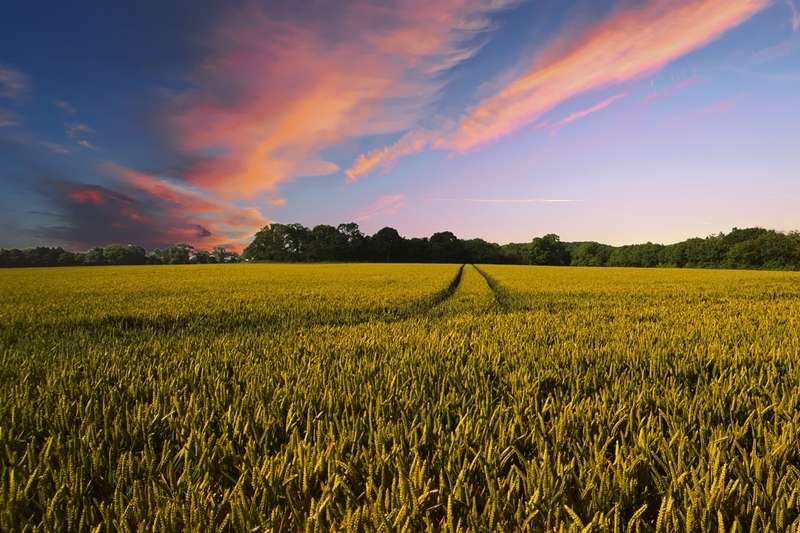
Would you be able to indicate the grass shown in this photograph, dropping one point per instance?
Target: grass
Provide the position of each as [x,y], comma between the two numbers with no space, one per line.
[402,397]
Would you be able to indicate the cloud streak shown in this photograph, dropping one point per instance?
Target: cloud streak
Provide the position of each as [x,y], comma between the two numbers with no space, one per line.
[8,119]
[14,84]
[508,200]
[633,41]
[389,204]
[795,15]
[275,93]
[630,43]
[578,115]
[411,143]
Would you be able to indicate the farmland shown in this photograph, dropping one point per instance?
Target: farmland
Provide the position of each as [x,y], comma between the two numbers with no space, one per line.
[404,397]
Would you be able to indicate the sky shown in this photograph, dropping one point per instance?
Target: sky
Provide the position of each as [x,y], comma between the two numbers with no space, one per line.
[620,121]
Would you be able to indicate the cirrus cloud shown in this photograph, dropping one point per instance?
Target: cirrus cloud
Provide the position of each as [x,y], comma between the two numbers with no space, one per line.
[274,93]
[388,204]
[14,84]
[631,42]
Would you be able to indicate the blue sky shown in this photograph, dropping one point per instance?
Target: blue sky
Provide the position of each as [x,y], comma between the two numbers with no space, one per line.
[615,121]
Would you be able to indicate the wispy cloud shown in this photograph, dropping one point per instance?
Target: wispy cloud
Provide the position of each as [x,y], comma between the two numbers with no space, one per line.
[410,143]
[633,41]
[56,148]
[578,115]
[275,93]
[389,204]
[630,43]
[771,53]
[65,106]
[7,119]
[507,200]
[674,88]
[795,15]
[86,144]
[14,84]
[77,130]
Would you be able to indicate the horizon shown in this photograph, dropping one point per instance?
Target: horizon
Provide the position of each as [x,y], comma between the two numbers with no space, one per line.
[462,238]
[605,121]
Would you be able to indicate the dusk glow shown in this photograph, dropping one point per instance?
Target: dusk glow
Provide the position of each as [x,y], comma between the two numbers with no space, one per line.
[604,120]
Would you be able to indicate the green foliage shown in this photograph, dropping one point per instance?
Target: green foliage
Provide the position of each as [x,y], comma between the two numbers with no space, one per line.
[399,397]
[114,254]
[752,248]
[549,250]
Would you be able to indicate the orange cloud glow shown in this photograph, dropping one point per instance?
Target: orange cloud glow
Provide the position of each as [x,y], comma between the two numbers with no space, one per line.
[577,115]
[87,196]
[187,209]
[276,93]
[630,43]
[411,143]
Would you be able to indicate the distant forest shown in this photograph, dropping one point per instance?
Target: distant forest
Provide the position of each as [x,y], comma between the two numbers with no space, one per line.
[751,248]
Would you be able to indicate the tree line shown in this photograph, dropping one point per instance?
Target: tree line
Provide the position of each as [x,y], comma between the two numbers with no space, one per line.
[749,248]
[740,248]
[114,254]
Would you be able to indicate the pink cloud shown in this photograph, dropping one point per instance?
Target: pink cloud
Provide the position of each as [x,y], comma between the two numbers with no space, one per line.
[795,15]
[87,195]
[275,93]
[13,83]
[185,207]
[508,200]
[674,88]
[411,143]
[633,41]
[720,107]
[578,115]
[630,43]
[389,204]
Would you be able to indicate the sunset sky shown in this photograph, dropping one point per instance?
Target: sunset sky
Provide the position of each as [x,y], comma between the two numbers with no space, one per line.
[618,121]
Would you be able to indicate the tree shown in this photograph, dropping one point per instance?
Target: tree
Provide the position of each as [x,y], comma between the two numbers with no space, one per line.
[94,256]
[480,251]
[178,254]
[280,242]
[386,244]
[446,247]
[355,242]
[590,254]
[118,254]
[549,250]
[327,243]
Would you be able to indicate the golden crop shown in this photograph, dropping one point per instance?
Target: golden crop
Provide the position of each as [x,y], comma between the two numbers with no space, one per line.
[399,397]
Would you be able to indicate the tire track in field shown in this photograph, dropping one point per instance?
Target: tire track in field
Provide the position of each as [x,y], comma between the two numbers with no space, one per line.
[502,295]
[226,322]
[442,296]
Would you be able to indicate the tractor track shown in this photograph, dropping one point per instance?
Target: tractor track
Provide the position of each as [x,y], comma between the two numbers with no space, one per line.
[501,295]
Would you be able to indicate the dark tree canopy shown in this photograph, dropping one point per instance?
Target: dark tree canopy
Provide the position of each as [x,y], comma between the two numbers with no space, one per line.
[114,254]
[741,248]
[549,250]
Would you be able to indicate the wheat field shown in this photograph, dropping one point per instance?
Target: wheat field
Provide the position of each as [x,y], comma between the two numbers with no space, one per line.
[362,397]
